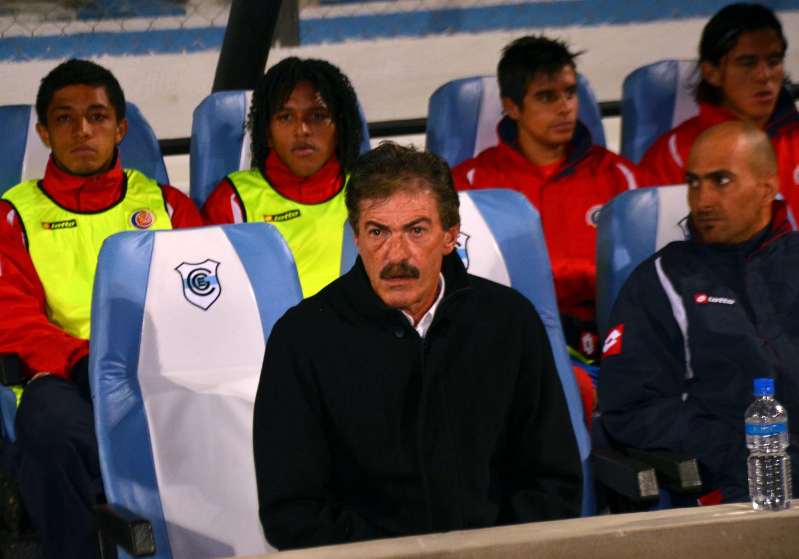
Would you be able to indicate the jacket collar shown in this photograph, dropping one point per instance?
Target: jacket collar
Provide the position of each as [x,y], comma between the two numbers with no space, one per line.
[84,194]
[784,114]
[576,150]
[778,227]
[358,292]
[316,189]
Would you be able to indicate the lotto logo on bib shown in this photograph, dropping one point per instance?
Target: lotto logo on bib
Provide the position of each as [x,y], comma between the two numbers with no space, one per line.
[613,341]
[142,219]
[285,216]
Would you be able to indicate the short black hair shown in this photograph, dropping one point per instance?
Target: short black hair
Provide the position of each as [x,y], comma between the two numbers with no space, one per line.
[721,34]
[390,168]
[527,57]
[274,89]
[79,72]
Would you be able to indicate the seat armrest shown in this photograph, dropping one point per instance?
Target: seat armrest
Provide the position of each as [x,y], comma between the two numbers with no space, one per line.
[120,527]
[11,370]
[628,477]
[675,472]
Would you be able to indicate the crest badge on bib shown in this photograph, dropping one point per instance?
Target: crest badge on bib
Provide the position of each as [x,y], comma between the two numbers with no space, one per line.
[201,285]
[142,219]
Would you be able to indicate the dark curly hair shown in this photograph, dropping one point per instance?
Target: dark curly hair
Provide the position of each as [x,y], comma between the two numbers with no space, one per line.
[721,34]
[525,58]
[390,168]
[276,86]
[78,72]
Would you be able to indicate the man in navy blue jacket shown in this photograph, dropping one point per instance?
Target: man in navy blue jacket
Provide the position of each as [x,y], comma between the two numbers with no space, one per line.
[700,319]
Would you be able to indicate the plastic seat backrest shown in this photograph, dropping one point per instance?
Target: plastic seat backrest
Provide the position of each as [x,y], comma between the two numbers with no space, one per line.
[502,240]
[655,98]
[632,227]
[220,142]
[179,323]
[23,156]
[463,114]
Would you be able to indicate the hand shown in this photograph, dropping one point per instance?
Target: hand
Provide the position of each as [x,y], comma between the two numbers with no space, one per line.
[40,375]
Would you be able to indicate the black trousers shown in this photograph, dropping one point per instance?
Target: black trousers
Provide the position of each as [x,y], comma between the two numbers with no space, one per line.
[58,471]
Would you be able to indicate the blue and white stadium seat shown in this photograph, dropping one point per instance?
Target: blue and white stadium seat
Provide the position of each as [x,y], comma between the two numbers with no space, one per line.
[502,240]
[656,98]
[23,156]
[463,114]
[632,227]
[179,323]
[220,142]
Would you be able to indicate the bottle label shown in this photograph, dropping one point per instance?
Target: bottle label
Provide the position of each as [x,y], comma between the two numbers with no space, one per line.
[756,429]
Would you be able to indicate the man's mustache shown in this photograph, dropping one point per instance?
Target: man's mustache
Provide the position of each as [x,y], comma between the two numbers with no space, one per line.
[400,270]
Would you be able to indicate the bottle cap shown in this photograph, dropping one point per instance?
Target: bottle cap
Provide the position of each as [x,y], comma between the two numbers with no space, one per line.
[764,387]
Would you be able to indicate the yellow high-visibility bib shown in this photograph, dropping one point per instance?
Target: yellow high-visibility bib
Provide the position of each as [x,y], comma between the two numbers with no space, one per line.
[64,245]
[314,232]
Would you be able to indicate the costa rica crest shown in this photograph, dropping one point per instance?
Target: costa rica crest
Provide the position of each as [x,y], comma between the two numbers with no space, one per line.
[201,285]
[142,219]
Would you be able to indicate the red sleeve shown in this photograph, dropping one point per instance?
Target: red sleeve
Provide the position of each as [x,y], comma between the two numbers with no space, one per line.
[25,329]
[223,205]
[658,167]
[182,210]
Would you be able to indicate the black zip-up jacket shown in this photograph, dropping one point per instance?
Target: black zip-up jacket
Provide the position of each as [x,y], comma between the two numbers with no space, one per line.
[683,383]
[364,430]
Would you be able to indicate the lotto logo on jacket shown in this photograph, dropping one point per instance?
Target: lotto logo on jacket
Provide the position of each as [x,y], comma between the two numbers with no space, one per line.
[704,299]
[612,344]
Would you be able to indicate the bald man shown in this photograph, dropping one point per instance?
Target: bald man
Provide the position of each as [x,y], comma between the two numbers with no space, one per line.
[699,320]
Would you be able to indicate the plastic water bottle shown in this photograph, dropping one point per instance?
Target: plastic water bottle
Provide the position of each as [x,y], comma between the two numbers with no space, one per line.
[768,465]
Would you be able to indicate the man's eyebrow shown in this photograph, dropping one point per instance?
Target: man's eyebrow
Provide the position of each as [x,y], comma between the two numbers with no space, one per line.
[417,221]
[374,223]
[710,174]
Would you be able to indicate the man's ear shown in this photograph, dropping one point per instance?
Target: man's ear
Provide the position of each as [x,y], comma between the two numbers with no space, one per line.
[355,237]
[510,108]
[44,134]
[771,186]
[451,238]
[711,73]
[122,129]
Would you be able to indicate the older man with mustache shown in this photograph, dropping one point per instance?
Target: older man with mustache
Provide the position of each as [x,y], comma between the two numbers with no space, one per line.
[698,321]
[408,396]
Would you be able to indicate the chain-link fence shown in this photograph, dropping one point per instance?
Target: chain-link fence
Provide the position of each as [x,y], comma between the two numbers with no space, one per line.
[26,18]
[192,25]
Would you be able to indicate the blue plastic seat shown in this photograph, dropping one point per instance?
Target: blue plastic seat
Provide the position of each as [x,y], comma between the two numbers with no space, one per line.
[502,240]
[463,114]
[632,227]
[220,143]
[179,324]
[23,156]
[656,98]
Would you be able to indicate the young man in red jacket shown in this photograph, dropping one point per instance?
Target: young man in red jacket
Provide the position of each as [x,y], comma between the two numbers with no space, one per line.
[545,153]
[51,231]
[306,132]
[741,56]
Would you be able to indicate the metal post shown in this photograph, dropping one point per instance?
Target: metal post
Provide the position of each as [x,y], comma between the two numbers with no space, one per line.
[248,37]
[287,33]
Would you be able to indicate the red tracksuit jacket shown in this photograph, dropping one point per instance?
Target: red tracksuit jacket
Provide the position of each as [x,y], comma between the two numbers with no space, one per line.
[664,162]
[568,200]
[24,327]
